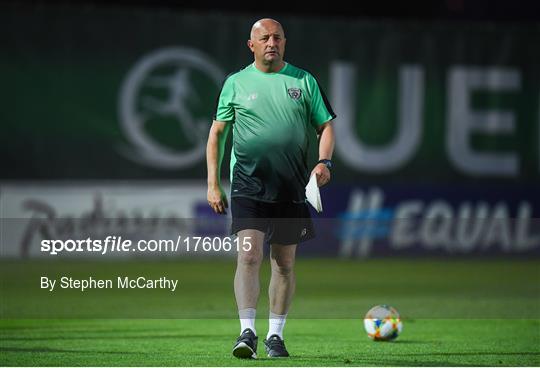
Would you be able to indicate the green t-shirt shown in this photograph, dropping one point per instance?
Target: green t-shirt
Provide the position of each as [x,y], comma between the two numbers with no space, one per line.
[271,113]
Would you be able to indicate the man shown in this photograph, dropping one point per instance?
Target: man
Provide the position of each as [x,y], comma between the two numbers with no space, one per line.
[270,104]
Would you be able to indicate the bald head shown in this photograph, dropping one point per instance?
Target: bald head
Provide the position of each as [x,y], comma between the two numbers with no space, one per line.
[263,25]
[267,42]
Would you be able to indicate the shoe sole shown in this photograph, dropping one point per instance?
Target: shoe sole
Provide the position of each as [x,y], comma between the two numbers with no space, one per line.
[243,351]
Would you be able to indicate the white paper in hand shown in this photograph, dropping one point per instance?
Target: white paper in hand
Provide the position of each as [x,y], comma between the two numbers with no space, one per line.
[312,193]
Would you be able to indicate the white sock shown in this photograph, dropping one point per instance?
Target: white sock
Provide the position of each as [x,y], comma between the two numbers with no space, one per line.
[247,319]
[276,323]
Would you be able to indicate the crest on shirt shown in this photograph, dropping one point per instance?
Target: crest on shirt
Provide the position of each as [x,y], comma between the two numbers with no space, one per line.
[295,93]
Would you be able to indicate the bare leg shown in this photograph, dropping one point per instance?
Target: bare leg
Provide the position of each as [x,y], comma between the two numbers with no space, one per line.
[247,289]
[246,278]
[283,280]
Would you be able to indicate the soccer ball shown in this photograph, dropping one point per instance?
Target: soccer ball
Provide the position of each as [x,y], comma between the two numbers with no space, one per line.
[382,323]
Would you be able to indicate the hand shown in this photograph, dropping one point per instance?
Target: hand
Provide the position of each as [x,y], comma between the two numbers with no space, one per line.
[322,174]
[217,199]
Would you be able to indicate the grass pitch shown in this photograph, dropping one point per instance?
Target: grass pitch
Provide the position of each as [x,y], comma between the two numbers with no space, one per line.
[456,313]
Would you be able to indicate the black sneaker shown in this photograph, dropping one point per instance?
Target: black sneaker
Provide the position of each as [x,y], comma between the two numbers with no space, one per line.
[275,347]
[246,345]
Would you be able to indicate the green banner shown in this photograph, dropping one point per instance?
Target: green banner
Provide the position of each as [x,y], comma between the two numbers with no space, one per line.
[129,93]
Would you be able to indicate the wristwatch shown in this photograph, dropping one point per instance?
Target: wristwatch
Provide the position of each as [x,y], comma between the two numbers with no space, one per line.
[327,163]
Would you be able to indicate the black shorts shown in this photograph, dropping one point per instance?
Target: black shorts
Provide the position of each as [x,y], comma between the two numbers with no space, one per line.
[283,223]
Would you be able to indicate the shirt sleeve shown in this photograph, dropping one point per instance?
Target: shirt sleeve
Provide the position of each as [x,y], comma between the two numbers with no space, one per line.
[321,111]
[225,109]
